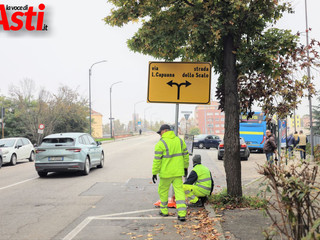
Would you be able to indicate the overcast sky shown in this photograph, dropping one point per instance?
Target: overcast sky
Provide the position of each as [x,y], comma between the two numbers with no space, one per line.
[77,37]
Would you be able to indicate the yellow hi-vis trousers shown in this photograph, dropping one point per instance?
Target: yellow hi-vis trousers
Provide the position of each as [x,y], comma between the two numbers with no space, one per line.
[163,191]
[193,192]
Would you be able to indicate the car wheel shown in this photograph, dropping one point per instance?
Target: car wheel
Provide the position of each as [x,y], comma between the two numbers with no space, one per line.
[86,169]
[101,161]
[42,174]
[207,147]
[0,162]
[13,160]
[32,156]
[201,145]
[244,159]
[219,158]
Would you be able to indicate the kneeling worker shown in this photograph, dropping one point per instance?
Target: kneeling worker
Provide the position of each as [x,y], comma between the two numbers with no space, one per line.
[199,184]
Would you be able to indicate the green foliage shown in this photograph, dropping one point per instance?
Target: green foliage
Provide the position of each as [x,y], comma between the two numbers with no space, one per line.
[316,152]
[224,201]
[103,139]
[194,131]
[295,196]
[63,112]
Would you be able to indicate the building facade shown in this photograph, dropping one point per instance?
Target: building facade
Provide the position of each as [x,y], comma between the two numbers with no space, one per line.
[96,126]
[210,119]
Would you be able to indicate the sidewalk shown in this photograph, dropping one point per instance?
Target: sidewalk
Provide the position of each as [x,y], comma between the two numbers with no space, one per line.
[245,223]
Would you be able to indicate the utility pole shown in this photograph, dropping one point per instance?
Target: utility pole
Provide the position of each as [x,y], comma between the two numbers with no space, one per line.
[309,81]
[90,72]
[2,121]
[111,133]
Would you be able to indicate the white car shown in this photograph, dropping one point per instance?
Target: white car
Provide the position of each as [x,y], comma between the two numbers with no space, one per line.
[14,149]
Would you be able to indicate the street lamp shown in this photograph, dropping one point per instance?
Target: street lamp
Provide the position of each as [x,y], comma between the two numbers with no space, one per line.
[134,115]
[90,69]
[111,108]
[144,116]
[151,119]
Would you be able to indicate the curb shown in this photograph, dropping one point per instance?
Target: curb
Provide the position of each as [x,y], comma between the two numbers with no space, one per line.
[218,226]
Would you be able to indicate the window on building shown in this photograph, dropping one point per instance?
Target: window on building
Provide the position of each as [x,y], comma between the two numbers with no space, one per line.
[217,125]
[216,113]
[217,131]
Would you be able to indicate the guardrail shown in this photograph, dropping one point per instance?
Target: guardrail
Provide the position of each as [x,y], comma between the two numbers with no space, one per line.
[316,139]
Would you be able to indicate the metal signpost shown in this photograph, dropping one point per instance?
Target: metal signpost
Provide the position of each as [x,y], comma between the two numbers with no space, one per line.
[40,131]
[179,82]
[188,139]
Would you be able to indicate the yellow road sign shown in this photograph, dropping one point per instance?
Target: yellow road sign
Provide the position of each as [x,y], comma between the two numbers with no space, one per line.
[179,82]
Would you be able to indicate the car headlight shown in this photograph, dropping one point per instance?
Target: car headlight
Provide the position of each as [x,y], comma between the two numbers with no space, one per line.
[196,140]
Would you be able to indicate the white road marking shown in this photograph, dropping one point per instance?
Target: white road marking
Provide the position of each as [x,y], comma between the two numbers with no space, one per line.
[124,213]
[15,184]
[135,218]
[112,216]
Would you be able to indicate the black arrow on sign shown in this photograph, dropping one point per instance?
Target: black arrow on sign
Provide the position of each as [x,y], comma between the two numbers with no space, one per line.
[178,85]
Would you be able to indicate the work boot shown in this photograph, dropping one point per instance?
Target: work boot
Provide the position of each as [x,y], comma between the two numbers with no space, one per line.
[182,219]
[197,204]
[163,215]
[203,200]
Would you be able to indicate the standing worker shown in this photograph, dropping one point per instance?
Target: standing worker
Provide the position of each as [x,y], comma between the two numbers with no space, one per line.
[171,161]
[199,184]
[296,138]
[270,146]
[302,144]
[290,141]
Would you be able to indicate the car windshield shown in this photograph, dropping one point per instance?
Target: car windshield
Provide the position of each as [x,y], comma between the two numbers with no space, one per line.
[58,141]
[241,141]
[201,136]
[7,142]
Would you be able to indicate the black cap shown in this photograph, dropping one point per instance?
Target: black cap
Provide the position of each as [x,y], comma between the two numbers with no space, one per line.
[164,127]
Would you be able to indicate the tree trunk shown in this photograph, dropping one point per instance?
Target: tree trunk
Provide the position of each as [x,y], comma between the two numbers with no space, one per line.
[232,162]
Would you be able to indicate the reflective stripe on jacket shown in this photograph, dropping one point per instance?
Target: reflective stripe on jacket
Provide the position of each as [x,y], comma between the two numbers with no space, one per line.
[171,156]
[204,178]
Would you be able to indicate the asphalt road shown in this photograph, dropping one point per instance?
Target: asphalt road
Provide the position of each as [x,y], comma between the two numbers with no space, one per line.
[110,203]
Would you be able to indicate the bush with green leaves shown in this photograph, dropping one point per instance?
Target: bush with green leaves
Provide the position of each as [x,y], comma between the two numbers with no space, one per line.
[294,196]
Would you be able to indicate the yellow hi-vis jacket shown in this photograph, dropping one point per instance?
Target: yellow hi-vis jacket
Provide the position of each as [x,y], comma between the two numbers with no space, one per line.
[171,156]
[204,180]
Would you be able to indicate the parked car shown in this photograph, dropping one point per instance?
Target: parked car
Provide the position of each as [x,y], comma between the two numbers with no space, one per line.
[15,149]
[206,141]
[68,152]
[244,150]
[0,158]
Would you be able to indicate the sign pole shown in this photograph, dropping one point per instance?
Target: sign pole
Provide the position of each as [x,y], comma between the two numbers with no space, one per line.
[2,121]
[176,122]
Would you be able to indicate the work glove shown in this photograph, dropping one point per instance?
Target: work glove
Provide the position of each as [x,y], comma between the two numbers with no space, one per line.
[185,172]
[154,178]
